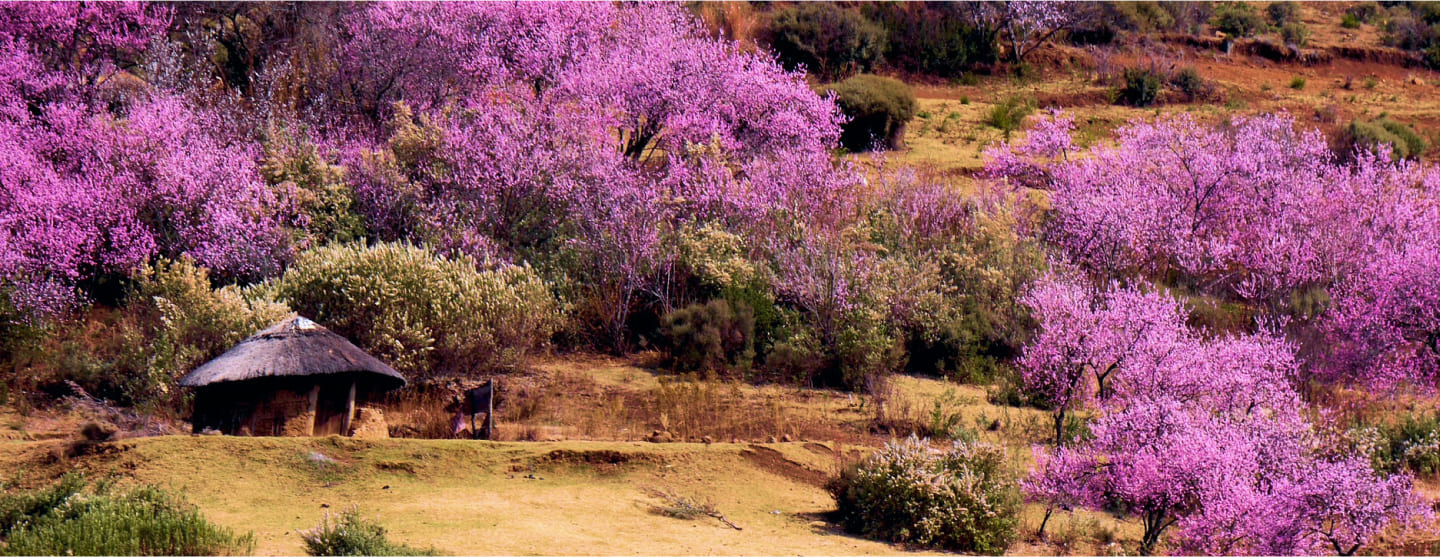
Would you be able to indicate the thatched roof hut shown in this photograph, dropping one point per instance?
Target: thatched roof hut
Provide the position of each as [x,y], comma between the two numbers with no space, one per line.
[294,378]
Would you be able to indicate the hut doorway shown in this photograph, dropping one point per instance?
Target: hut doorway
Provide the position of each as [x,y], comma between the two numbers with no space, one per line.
[334,407]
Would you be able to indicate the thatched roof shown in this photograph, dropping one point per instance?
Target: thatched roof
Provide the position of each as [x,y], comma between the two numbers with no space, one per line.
[295,347]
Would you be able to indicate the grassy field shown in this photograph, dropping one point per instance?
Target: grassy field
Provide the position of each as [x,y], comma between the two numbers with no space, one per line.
[576,496]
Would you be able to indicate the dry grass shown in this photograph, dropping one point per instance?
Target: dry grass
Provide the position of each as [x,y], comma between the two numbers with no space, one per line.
[475,498]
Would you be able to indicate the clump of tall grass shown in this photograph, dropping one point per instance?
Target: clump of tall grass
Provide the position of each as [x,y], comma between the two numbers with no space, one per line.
[68,519]
[352,534]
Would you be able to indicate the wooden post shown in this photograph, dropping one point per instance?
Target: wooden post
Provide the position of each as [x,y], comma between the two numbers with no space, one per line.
[314,404]
[349,411]
[490,412]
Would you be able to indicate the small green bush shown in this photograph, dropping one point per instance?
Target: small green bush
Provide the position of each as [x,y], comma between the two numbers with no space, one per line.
[1237,19]
[354,535]
[959,500]
[828,40]
[1189,83]
[1297,83]
[1411,444]
[709,337]
[427,315]
[1281,13]
[66,520]
[878,107]
[1295,34]
[1142,86]
[1009,114]
[1144,16]
[1415,145]
[1350,21]
[1365,12]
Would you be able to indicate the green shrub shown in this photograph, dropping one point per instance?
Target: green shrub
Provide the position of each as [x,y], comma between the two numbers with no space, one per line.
[1281,13]
[1188,16]
[427,315]
[323,202]
[1363,12]
[1401,139]
[1142,86]
[187,322]
[1189,83]
[1405,28]
[1412,444]
[878,107]
[66,520]
[830,41]
[1350,21]
[1295,34]
[171,321]
[1415,145]
[354,535]
[1095,23]
[1009,114]
[1297,83]
[951,296]
[709,337]
[959,500]
[932,38]
[1237,19]
[1144,16]
[842,349]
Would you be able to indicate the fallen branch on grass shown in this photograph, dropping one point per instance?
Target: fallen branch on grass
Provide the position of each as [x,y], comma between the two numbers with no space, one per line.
[685,508]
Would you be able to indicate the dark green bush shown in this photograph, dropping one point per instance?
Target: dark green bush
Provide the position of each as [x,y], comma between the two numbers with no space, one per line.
[1143,16]
[1281,13]
[1096,23]
[878,107]
[1142,86]
[354,535]
[1350,21]
[1237,19]
[931,38]
[959,500]
[715,336]
[830,41]
[66,520]
[1189,83]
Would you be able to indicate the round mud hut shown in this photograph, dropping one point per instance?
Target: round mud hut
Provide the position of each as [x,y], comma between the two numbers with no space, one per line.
[293,379]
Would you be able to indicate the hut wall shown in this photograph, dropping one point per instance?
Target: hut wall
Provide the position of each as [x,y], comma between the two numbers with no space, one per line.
[370,424]
[289,407]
